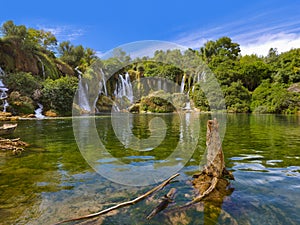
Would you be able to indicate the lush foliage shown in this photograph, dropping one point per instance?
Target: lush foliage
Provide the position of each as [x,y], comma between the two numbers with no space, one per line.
[274,98]
[41,70]
[58,94]
[25,83]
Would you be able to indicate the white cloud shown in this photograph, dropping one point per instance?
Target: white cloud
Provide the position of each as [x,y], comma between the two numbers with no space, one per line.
[282,41]
[63,32]
[256,34]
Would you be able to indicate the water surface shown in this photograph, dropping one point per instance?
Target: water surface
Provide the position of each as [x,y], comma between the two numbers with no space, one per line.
[51,180]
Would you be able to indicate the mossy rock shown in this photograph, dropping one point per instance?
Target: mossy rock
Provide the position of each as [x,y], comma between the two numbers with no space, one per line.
[20,105]
[104,104]
[179,100]
[135,108]
[156,104]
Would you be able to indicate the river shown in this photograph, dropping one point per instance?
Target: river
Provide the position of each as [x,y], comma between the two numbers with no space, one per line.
[54,179]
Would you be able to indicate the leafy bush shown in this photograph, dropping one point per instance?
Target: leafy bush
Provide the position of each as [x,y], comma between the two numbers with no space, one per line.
[237,97]
[58,94]
[274,98]
[156,104]
[199,98]
[24,83]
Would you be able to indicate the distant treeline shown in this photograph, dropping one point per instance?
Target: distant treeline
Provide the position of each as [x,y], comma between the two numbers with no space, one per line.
[39,69]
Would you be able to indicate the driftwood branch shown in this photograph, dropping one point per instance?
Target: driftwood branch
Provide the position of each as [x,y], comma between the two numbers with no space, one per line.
[123,204]
[166,200]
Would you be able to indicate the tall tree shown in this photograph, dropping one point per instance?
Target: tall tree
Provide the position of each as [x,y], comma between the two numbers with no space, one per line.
[223,48]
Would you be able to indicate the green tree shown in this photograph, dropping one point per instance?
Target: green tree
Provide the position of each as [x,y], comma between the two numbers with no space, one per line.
[76,56]
[199,98]
[43,38]
[237,98]
[9,29]
[252,71]
[274,98]
[58,94]
[223,48]
[288,67]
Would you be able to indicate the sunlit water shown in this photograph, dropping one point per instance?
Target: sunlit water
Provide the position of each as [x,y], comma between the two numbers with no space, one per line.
[51,181]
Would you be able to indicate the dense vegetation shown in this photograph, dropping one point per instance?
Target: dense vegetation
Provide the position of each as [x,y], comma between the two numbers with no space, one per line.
[41,70]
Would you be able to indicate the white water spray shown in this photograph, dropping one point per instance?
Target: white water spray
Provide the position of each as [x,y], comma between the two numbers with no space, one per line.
[39,112]
[3,91]
[124,88]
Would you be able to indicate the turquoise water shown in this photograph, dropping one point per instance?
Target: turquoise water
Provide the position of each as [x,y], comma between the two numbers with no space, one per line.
[51,180]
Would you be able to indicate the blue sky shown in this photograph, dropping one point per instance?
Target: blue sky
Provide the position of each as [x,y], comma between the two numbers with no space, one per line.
[102,25]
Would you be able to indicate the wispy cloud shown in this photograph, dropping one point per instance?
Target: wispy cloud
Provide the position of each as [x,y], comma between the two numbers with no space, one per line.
[63,32]
[255,35]
[281,41]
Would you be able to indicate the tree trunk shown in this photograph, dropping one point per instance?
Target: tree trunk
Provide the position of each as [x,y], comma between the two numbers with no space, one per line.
[212,181]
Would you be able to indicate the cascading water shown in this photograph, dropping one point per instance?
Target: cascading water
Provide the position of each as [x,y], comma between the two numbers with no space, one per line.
[86,96]
[3,90]
[43,67]
[82,93]
[188,103]
[103,83]
[124,88]
[182,84]
[39,112]
[83,101]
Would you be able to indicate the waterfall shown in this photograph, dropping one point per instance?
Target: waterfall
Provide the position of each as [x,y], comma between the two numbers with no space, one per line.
[124,88]
[43,67]
[3,90]
[82,92]
[103,83]
[89,89]
[39,112]
[159,84]
[187,106]
[182,84]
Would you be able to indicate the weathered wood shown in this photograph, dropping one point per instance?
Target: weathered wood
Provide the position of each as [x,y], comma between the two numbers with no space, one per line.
[212,180]
[166,200]
[123,204]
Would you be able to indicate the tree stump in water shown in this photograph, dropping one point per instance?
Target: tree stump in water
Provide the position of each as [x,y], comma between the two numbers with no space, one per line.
[212,181]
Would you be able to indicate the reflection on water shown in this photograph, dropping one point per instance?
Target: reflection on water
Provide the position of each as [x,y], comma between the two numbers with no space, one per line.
[51,181]
[172,140]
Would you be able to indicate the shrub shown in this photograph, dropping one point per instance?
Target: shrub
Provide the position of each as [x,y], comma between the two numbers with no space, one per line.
[199,98]
[237,98]
[274,98]
[24,83]
[58,95]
